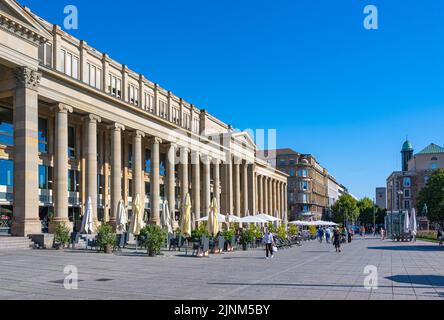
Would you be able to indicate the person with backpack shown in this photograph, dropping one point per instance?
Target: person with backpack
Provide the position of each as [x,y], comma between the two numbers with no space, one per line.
[337,239]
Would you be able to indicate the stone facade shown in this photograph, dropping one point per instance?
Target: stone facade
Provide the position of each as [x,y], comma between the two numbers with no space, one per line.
[79,125]
[311,189]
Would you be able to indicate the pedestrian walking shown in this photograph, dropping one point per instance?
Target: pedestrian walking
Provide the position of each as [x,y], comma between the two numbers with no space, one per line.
[440,238]
[269,241]
[344,235]
[382,234]
[320,235]
[327,235]
[337,239]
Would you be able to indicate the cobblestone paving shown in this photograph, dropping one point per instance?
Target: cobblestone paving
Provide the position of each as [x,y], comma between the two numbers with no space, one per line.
[313,271]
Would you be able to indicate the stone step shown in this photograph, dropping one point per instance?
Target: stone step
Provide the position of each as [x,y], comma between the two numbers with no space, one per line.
[15,243]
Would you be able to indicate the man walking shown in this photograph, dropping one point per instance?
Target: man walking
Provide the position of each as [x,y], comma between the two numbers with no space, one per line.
[269,240]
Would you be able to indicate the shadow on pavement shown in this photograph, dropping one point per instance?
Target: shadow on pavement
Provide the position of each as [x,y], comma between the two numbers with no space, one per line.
[307,285]
[430,280]
[409,248]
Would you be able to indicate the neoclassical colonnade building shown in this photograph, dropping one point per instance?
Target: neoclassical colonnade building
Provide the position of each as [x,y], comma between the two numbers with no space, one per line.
[75,124]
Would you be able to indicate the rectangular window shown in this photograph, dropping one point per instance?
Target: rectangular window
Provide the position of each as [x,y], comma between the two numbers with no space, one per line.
[303,173]
[407,182]
[73,181]
[94,78]
[148,103]
[6,172]
[69,64]
[68,69]
[72,142]
[62,61]
[130,156]
[407,193]
[162,165]
[98,79]
[48,55]
[75,68]
[406,204]
[147,190]
[43,135]
[147,160]
[133,95]
[43,177]
[45,54]
[6,127]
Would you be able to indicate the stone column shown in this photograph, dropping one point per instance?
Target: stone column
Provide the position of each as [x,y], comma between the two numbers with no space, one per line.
[196,190]
[116,170]
[206,160]
[245,190]
[270,196]
[279,198]
[274,197]
[155,181]
[61,167]
[286,201]
[26,193]
[171,179]
[252,190]
[260,195]
[138,181]
[91,162]
[237,189]
[265,200]
[216,183]
[227,187]
[184,184]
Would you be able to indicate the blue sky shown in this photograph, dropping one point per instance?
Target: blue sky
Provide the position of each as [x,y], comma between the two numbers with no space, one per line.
[307,68]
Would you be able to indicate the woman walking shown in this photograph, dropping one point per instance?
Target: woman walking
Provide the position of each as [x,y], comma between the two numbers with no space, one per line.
[337,238]
[269,240]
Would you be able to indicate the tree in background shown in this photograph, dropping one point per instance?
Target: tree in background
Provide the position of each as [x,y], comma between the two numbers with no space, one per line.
[432,195]
[346,206]
[366,210]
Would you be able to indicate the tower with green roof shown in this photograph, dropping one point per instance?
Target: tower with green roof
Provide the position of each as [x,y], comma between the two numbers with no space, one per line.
[407,154]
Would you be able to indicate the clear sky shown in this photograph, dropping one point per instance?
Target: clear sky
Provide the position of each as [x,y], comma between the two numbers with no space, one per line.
[307,68]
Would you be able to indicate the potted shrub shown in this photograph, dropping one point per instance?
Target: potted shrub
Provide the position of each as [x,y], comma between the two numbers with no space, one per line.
[281,232]
[61,235]
[228,236]
[106,238]
[293,230]
[200,231]
[156,237]
[246,238]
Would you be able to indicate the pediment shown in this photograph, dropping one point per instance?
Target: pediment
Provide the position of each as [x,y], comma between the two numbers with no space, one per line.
[244,138]
[14,18]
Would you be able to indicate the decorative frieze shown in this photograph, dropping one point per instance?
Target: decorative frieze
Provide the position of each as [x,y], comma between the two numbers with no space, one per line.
[26,77]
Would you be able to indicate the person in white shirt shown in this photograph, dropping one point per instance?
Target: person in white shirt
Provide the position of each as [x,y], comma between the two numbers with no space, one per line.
[269,240]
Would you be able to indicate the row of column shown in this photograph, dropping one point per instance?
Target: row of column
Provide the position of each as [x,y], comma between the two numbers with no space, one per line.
[272,196]
[235,180]
[198,196]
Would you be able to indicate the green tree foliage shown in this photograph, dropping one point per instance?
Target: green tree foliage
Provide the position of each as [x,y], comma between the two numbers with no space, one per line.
[346,205]
[366,210]
[432,195]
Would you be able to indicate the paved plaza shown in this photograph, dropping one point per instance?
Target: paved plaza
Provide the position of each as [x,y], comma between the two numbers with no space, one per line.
[313,271]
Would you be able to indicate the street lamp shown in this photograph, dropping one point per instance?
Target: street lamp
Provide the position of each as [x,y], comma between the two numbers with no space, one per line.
[374,217]
[400,193]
